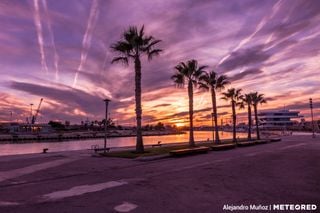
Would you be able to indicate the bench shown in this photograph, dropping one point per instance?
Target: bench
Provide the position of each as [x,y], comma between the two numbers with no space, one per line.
[220,147]
[158,144]
[101,149]
[45,150]
[261,141]
[275,139]
[247,143]
[189,151]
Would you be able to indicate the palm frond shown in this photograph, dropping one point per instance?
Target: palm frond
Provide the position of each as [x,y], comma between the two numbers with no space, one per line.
[178,79]
[203,86]
[221,82]
[150,45]
[258,98]
[154,53]
[141,33]
[120,59]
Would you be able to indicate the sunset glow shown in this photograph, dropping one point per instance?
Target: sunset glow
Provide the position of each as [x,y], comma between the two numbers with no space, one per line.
[60,51]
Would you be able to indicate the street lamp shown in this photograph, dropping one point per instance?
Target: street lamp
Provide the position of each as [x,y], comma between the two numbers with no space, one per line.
[31,114]
[212,114]
[105,124]
[311,109]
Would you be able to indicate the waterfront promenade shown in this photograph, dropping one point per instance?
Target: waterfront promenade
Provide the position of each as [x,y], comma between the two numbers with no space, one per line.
[276,173]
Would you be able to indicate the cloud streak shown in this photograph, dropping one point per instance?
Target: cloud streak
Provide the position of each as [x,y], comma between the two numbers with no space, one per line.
[86,42]
[38,26]
[271,47]
[55,54]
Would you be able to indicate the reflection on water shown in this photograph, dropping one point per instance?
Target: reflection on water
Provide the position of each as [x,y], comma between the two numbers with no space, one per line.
[36,147]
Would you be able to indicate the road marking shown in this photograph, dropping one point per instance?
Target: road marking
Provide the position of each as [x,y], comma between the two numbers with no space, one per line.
[292,146]
[125,207]
[252,154]
[197,165]
[6,203]
[31,169]
[83,189]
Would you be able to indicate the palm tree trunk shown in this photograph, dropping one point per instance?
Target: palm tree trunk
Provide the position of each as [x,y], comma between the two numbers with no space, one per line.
[139,140]
[190,94]
[214,107]
[256,119]
[234,119]
[249,122]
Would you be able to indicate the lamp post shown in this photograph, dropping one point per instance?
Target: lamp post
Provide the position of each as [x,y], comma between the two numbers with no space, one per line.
[105,125]
[31,114]
[311,109]
[212,114]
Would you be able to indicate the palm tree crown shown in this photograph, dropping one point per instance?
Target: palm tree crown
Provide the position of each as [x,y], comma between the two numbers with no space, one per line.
[134,44]
[187,72]
[212,80]
[234,95]
[246,100]
[258,98]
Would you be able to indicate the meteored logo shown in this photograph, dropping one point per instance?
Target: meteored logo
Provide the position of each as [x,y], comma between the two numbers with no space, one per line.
[271,207]
[294,207]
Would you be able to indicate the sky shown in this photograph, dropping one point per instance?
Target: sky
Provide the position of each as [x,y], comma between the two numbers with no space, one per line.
[60,51]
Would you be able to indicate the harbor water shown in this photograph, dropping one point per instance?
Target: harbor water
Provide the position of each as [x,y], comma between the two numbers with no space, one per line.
[38,146]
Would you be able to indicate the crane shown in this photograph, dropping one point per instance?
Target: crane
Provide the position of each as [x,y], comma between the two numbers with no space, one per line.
[34,117]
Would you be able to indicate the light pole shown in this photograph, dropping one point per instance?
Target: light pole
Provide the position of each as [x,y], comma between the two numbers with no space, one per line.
[31,114]
[212,114]
[311,109]
[105,125]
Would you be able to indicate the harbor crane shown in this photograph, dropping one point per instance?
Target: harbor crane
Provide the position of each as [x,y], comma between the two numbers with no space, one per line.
[34,117]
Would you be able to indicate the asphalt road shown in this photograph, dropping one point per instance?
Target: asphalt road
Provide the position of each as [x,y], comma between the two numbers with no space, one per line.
[285,172]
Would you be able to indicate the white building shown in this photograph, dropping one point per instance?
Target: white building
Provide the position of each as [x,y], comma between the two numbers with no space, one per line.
[277,118]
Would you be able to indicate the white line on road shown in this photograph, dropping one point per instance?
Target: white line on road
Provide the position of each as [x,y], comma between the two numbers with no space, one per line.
[292,146]
[125,207]
[80,190]
[33,168]
[6,203]
[252,154]
[196,165]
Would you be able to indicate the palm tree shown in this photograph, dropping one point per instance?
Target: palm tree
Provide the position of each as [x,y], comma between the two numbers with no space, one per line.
[213,82]
[256,100]
[131,47]
[188,73]
[234,95]
[247,101]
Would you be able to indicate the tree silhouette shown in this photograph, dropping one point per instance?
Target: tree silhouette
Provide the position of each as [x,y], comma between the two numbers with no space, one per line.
[133,45]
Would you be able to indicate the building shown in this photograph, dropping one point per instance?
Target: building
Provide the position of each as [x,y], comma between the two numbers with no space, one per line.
[16,128]
[277,119]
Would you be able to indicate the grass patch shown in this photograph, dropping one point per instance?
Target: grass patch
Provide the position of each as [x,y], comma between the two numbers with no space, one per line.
[148,152]
[166,149]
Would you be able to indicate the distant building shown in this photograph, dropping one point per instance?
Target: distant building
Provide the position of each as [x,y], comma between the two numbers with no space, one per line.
[277,119]
[16,128]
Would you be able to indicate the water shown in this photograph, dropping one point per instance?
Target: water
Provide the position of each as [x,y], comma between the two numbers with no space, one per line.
[36,147]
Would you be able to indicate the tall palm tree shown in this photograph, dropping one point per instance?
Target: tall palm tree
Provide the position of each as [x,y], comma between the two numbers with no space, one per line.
[256,100]
[132,46]
[234,95]
[215,83]
[188,73]
[247,101]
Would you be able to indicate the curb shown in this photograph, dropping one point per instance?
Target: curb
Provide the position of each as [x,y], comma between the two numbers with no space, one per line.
[151,158]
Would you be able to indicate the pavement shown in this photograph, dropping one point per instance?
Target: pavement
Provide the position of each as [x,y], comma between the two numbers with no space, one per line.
[285,172]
